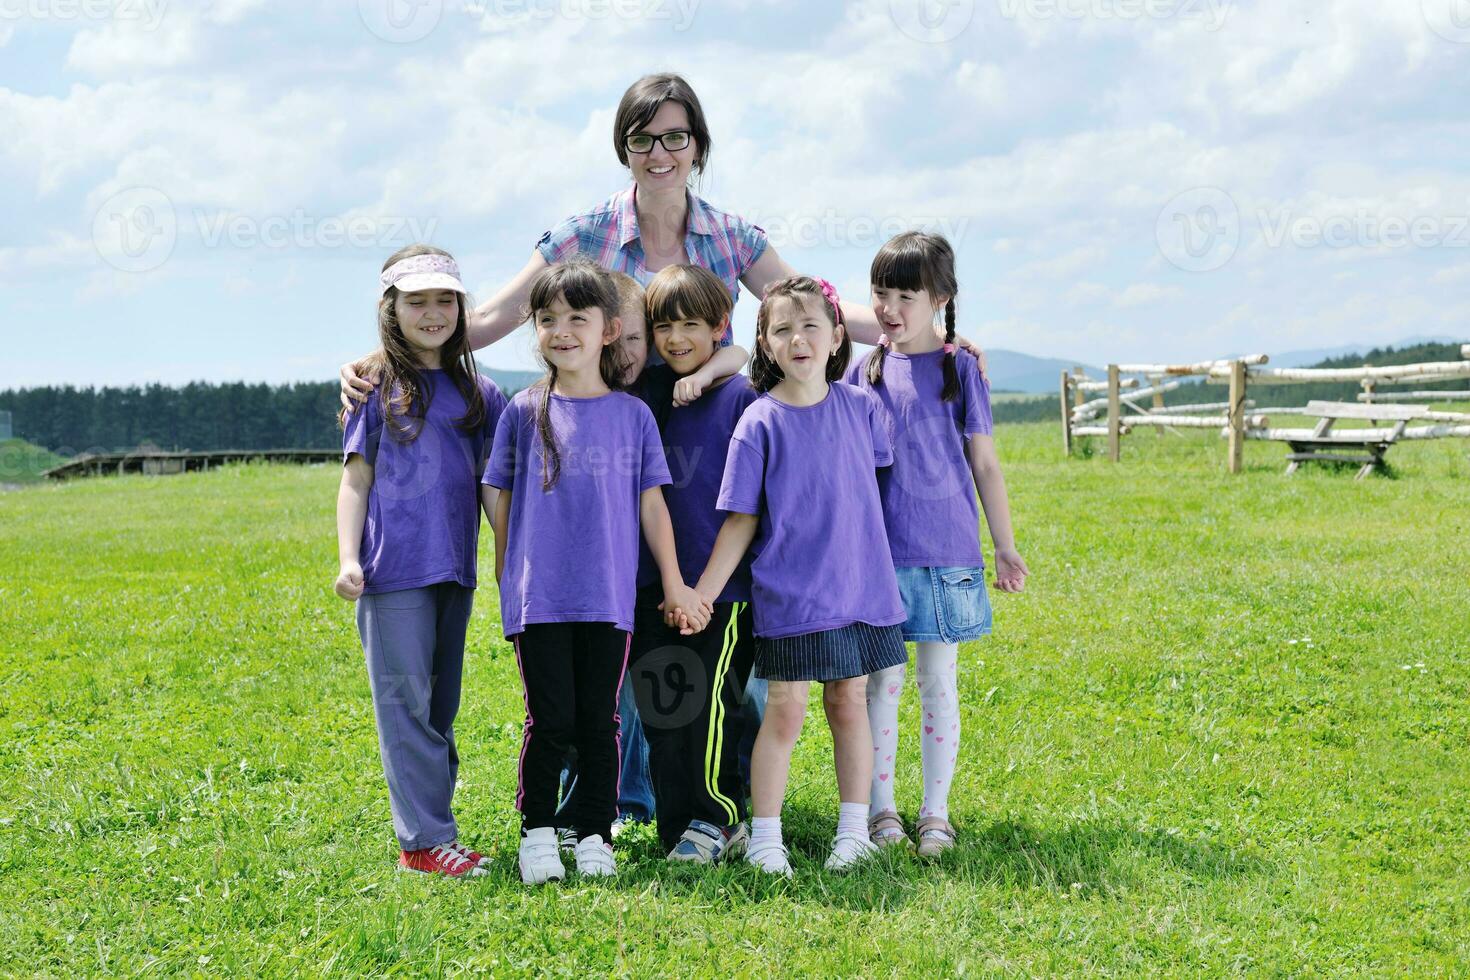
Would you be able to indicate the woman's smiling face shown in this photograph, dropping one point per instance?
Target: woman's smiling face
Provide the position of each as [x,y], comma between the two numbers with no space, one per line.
[658,169]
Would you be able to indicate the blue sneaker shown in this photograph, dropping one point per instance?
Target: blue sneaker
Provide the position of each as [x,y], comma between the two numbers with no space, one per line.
[707,843]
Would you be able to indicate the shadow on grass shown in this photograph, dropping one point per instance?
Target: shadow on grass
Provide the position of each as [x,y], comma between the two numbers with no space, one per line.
[1086,859]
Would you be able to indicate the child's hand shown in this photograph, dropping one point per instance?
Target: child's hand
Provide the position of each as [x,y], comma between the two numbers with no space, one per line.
[687,390]
[349,581]
[1010,570]
[686,609]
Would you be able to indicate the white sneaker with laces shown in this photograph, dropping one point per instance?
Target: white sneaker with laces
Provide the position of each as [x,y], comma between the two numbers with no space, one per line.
[540,859]
[595,857]
[770,857]
[848,850]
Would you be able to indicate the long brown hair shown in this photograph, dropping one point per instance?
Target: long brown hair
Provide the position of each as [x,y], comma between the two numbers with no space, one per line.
[401,390]
[582,285]
[912,261]
[765,374]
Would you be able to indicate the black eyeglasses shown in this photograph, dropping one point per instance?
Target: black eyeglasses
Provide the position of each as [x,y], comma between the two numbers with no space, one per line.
[673,141]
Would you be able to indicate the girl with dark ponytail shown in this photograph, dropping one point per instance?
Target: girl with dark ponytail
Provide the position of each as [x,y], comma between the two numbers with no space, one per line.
[937,407]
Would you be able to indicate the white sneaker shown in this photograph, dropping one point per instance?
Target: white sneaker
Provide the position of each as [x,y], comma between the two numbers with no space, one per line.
[595,857]
[770,857]
[540,861]
[850,849]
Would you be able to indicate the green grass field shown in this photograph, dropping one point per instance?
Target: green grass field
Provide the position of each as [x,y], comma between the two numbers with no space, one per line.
[1223,731]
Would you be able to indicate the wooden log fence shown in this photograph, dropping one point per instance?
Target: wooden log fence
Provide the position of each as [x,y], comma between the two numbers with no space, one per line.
[1105,415]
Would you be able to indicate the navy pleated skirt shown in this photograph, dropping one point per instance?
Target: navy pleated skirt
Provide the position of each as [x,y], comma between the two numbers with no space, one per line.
[830,655]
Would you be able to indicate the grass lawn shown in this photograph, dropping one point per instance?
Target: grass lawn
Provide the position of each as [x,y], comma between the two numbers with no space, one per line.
[1224,731]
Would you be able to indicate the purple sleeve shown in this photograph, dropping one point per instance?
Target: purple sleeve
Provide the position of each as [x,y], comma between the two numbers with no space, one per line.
[361,431]
[495,402]
[740,489]
[655,470]
[976,391]
[882,448]
[561,242]
[501,470]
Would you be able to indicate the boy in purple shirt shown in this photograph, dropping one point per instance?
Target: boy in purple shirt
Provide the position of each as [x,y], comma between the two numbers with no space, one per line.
[689,689]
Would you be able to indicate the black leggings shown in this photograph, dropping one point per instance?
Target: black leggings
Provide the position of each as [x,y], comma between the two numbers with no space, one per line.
[570,673]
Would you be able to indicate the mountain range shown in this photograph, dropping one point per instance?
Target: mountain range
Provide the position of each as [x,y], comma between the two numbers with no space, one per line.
[1014,371]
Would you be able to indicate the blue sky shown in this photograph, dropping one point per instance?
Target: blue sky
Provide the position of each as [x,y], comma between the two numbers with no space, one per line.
[206,191]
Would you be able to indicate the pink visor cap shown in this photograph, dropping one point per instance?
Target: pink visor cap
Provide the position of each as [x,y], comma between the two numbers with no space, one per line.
[419,272]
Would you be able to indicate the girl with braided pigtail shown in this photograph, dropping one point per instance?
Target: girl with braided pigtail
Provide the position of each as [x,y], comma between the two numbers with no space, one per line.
[937,408]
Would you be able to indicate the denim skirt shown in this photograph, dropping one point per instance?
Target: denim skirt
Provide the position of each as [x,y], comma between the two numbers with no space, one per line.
[944,605]
[830,655]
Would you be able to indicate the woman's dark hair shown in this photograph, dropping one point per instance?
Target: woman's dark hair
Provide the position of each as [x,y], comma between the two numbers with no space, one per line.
[582,285]
[912,261]
[639,104]
[764,372]
[401,391]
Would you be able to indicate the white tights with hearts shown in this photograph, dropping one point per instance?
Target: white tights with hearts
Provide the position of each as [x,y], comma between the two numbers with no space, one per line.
[937,676]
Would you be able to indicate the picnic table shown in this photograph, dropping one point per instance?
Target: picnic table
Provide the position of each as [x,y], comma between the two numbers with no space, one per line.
[1365,447]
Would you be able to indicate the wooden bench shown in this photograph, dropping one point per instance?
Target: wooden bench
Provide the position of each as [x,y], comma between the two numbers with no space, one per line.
[1365,447]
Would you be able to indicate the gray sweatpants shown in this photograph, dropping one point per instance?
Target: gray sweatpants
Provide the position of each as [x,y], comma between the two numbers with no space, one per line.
[414,644]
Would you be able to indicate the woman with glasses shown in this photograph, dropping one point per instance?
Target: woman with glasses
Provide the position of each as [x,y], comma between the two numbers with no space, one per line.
[659,134]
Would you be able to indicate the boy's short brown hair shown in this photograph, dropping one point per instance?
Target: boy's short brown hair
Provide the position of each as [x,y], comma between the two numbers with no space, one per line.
[687,292]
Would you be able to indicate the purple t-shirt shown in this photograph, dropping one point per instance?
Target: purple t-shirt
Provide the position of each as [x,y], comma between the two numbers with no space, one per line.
[572,554]
[929,492]
[696,442]
[821,558]
[423,515]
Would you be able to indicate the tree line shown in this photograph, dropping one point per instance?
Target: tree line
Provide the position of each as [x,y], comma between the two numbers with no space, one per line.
[204,416]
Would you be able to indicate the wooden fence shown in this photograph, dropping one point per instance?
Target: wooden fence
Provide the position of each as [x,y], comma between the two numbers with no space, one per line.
[160,463]
[1238,418]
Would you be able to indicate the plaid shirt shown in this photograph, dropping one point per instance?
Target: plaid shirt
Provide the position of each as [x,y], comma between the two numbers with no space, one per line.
[725,244]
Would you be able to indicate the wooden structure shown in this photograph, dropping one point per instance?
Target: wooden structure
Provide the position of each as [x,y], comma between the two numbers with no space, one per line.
[1082,416]
[156,462]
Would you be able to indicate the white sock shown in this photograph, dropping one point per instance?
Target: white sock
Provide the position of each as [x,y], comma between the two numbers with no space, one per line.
[852,818]
[765,830]
[936,669]
[884,690]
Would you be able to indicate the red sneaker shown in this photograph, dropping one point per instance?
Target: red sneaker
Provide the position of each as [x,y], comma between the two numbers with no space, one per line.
[474,857]
[441,859]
